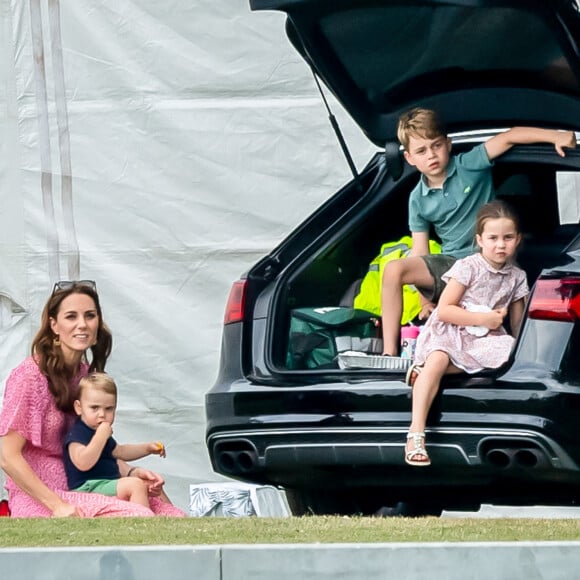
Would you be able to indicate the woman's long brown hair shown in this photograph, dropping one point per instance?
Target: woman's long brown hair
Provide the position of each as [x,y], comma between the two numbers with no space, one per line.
[49,357]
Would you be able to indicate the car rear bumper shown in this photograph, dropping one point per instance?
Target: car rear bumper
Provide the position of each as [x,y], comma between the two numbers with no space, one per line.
[296,451]
[507,443]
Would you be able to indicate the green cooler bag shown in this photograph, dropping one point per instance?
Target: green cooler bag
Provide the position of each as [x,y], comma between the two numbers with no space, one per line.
[318,335]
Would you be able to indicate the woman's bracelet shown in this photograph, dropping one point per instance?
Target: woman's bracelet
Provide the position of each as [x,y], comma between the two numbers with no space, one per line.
[130,471]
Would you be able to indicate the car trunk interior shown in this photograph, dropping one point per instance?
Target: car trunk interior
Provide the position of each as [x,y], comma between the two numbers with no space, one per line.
[527,183]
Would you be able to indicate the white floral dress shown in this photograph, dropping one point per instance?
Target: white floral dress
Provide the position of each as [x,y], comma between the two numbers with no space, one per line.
[484,286]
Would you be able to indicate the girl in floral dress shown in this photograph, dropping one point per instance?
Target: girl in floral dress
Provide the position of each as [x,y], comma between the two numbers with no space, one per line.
[465,332]
[38,410]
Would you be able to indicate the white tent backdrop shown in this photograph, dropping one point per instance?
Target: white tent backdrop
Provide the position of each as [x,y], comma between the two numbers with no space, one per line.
[159,148]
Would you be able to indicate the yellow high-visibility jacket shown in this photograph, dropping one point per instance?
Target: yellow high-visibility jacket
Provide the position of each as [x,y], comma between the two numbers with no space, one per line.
[369,296]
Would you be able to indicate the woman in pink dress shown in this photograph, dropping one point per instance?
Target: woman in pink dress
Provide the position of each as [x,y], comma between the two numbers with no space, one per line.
[37,411]
[465,332]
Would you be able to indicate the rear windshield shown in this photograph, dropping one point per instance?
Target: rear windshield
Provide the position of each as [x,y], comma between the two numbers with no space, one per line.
[444,45]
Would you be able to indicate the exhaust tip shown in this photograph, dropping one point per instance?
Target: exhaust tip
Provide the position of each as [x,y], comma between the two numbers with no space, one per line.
[498,458]
[234,460]
[247,460]
[526,458]
[504,455]
[227,461]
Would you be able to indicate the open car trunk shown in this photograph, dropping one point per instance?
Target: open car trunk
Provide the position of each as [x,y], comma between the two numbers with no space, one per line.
[481,64]
[531,179]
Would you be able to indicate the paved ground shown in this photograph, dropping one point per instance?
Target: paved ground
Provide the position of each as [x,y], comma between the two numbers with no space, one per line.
[489,511]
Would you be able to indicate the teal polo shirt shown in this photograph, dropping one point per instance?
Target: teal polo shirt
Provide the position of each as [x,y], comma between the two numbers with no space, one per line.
[452,209]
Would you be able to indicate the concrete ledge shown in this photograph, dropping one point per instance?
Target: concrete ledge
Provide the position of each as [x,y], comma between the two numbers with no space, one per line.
[437,561]
[405,561]
[123,563]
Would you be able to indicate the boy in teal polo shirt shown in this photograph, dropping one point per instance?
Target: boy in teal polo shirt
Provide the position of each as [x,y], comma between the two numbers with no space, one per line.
[448,196]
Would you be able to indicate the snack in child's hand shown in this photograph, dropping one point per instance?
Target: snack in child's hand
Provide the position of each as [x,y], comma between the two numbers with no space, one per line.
[160,448]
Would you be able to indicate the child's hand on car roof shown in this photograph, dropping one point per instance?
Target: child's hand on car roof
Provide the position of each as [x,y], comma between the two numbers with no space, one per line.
[567,139]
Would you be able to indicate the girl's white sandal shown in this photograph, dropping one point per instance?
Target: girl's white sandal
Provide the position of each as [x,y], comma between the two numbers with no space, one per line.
[418,439]
[412,373]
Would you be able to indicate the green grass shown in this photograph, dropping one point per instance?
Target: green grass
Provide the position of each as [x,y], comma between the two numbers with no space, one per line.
[167,531]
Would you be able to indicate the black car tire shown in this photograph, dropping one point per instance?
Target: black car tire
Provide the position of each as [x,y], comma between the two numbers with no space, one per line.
[305,502]
[312,502]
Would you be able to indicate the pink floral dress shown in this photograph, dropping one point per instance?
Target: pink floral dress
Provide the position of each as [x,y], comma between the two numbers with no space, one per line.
[484,286]
[29,409]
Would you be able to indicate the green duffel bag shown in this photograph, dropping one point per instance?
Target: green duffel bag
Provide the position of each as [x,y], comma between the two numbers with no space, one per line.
[318,335]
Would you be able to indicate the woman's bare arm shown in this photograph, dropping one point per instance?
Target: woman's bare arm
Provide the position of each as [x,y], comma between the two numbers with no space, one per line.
[19,470]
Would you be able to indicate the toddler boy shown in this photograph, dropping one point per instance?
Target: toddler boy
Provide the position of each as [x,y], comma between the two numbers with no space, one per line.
[91,452]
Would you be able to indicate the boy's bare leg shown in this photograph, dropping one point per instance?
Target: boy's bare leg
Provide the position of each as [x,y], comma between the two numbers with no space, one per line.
[133,489]
[412,270]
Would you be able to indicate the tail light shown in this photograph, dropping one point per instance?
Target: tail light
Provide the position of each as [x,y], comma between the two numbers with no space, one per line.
[235,304]
[556,299]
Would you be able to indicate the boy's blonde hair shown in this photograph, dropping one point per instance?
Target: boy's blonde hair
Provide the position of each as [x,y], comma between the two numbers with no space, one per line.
[422,123]
[99,381]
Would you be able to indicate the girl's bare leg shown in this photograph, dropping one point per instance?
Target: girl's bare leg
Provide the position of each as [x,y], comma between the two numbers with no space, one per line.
[424,391]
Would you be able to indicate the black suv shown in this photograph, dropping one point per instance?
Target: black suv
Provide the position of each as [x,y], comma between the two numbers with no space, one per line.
[334,437]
